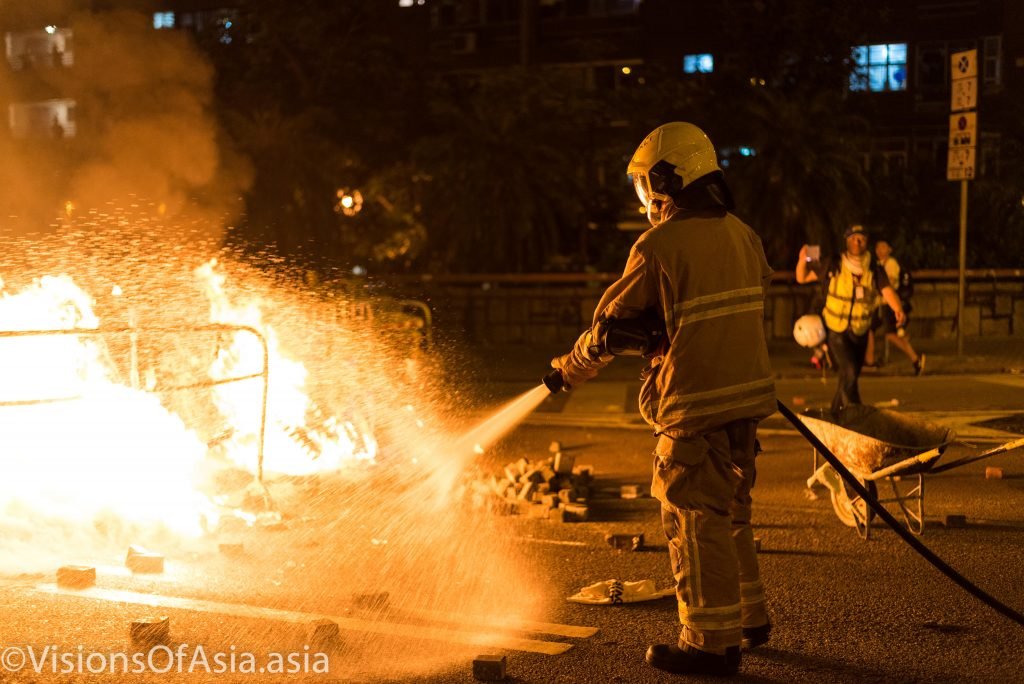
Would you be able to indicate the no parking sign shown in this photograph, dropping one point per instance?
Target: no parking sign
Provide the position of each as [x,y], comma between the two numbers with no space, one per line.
[963,127]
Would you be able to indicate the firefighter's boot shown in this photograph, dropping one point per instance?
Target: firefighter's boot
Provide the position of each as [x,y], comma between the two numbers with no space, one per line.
[688,660]
[756,636]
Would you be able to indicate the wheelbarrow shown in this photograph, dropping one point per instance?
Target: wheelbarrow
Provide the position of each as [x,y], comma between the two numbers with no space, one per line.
[875,445]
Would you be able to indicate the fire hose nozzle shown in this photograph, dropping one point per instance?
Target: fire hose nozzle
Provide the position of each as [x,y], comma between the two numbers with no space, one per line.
[554,381]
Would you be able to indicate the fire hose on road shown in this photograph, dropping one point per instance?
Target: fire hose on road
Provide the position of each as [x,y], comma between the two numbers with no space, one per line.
[640,336]
[853,483]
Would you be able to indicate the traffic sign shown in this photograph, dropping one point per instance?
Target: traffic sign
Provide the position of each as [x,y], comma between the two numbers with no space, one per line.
[964,64]
[961,164]
[963,133]
[963,129]
[964,94]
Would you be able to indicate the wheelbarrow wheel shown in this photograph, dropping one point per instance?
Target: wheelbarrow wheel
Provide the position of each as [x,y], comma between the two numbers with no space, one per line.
[852,510]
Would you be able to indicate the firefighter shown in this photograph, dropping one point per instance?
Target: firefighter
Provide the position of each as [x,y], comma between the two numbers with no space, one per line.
[853,287]
[703,272]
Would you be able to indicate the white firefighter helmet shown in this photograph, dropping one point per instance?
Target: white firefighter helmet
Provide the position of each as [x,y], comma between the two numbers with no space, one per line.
[671,157]
[809,331]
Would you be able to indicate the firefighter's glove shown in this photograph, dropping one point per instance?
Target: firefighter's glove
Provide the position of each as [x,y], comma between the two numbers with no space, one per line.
[582,363]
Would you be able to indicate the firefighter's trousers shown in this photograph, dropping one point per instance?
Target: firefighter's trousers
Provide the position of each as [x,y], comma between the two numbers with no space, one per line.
[704,486]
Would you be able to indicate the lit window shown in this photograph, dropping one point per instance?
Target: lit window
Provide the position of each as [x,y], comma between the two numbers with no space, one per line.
[702,63]
[44,119]
[879,67]
[163,20]
[39,48]
[406,3]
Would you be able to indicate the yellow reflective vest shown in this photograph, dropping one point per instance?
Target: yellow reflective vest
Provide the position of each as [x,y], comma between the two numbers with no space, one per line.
[850,300]
[707,274]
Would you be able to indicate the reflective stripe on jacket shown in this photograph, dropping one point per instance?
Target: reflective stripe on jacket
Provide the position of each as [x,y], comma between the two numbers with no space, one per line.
[707,273]
[843,309]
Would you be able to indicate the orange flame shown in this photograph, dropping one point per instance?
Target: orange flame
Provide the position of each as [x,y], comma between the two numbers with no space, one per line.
[82,444]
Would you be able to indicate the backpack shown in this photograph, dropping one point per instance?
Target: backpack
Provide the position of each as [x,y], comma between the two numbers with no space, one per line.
[905,288]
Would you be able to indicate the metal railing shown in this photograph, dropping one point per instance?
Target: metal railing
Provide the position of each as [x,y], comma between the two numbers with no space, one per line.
[558,279]
[133,332]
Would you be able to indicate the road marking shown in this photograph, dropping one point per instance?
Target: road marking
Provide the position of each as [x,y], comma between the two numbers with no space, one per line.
[962,422]
[491,639]
[1016,381]
[167,576]
[512,623]
[559,542]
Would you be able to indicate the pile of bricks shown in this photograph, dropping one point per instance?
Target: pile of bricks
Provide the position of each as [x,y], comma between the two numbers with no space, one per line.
[554,489]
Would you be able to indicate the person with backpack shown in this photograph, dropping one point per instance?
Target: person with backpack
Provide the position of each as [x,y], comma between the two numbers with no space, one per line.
[853,287]
[885,320]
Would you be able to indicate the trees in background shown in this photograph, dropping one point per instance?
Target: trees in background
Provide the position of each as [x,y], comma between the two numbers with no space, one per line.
[319,100]
[805,181]
[523,169]
[503,164]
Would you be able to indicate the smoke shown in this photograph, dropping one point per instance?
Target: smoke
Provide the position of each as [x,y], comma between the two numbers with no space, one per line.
[145,134]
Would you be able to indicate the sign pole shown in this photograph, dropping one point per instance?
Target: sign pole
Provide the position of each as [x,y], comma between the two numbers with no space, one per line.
[963,141]
[963,270]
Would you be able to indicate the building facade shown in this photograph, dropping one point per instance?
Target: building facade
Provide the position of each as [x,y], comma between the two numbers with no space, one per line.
[899,65]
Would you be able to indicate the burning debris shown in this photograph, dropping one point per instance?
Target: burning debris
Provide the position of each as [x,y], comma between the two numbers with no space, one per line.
[154,417]
[554,489]
[299,436]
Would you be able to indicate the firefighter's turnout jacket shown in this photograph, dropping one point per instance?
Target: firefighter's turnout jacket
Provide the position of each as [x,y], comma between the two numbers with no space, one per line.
[707,274]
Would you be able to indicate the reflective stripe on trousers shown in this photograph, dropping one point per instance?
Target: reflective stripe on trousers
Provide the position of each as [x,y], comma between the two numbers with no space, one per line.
[743,449]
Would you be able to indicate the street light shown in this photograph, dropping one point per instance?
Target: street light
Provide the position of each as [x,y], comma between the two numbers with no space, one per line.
[350,202]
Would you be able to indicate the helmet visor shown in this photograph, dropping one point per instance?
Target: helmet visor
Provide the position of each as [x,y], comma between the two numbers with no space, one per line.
[643,190]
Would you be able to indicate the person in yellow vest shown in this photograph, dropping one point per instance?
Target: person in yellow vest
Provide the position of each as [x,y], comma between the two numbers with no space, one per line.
[702,273]
[854,288]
